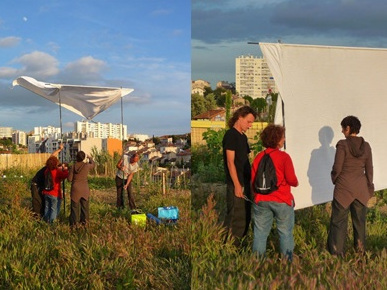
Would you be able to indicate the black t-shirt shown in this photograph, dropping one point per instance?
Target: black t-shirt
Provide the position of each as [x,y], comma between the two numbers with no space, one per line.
[235,141]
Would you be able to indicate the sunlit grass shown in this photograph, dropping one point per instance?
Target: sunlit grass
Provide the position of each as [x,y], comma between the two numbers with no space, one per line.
[216,265]
[109,254]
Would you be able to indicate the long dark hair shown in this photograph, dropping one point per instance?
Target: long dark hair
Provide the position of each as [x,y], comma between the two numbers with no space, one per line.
[52,162]
[241,112]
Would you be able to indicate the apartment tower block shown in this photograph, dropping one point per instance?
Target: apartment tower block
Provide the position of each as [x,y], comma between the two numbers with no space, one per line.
[253,77]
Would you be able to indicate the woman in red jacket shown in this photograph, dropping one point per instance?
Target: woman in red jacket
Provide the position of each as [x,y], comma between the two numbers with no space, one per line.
[52,197]
[278,204]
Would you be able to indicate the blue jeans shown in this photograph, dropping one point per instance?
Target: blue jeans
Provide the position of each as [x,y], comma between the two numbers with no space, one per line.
[51,208]
[264,212]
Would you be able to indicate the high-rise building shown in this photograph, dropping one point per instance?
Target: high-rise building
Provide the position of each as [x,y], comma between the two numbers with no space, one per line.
[99,130]
[48,132]
[5,132]
[253,77]
[19,137]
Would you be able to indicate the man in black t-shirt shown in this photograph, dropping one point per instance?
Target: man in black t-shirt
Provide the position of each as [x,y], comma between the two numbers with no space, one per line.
[237,168]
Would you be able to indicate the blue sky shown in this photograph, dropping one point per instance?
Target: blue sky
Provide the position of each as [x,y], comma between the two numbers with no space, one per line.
[221,29]
[139,44]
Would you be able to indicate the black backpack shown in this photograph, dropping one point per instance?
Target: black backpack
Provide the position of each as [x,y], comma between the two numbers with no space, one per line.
[265,180]
[48,182]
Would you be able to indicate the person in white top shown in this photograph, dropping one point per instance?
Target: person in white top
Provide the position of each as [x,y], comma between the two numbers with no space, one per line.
[127,167]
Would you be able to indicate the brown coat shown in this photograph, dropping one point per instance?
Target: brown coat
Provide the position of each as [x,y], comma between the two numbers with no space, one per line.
[78,178]
[352,172]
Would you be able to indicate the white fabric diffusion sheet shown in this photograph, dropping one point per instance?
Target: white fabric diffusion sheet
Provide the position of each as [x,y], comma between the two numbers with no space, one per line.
[86,101]
[320,85]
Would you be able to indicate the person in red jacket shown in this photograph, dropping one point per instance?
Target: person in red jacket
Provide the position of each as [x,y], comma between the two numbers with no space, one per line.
[278,204]
[37,184]
[54,196]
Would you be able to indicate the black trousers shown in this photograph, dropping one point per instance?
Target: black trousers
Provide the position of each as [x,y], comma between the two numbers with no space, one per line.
[338,227]
[37,200]
[238,215]
[120,193]
[79,212]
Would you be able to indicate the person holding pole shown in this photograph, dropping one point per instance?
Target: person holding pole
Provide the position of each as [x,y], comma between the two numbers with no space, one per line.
[126,168]
[53,196]
[80,191]
[37,184]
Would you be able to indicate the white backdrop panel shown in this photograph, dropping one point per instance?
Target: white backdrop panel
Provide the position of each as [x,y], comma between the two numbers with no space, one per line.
[320,85]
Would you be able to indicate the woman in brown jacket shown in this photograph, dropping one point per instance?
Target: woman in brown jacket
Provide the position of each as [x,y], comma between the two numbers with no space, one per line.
[352,175]
[80,191]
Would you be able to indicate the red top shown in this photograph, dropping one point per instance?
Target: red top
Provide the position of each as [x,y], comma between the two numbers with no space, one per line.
[286,177]
[57,176]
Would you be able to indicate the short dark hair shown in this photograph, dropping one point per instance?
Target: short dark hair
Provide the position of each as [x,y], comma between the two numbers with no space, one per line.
[81,156]
[241,112]
[353,123]
[134,155]
[271,135]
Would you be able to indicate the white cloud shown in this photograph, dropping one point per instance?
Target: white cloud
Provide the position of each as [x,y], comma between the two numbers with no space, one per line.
[86,68]
[8,72]
[53,46]
[9,41]
[36,64]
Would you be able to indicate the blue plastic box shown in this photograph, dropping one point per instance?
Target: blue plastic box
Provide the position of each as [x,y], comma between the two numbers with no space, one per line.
[170,213]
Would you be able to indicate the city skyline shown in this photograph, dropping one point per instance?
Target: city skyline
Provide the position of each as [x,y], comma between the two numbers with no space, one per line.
[140,46]
[221,30]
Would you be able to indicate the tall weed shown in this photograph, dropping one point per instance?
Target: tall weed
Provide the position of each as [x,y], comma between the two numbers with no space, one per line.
[218,265]
[110,253]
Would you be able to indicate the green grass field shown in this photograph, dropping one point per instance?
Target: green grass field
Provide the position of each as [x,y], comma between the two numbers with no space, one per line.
[220,266]
[113,254]
[109,254]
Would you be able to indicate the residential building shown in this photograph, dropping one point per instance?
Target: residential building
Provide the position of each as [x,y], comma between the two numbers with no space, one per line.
[165,140]
[100,130]
[5,132]
[212,115]
[253,77]
[225,85]
[151,155]
[184,157]
[198,127]
[238,101]
[168,148]
[19,138]
[48,132]
[207,121]
[112,145]
[140,137]
[38,144]
[199,87]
